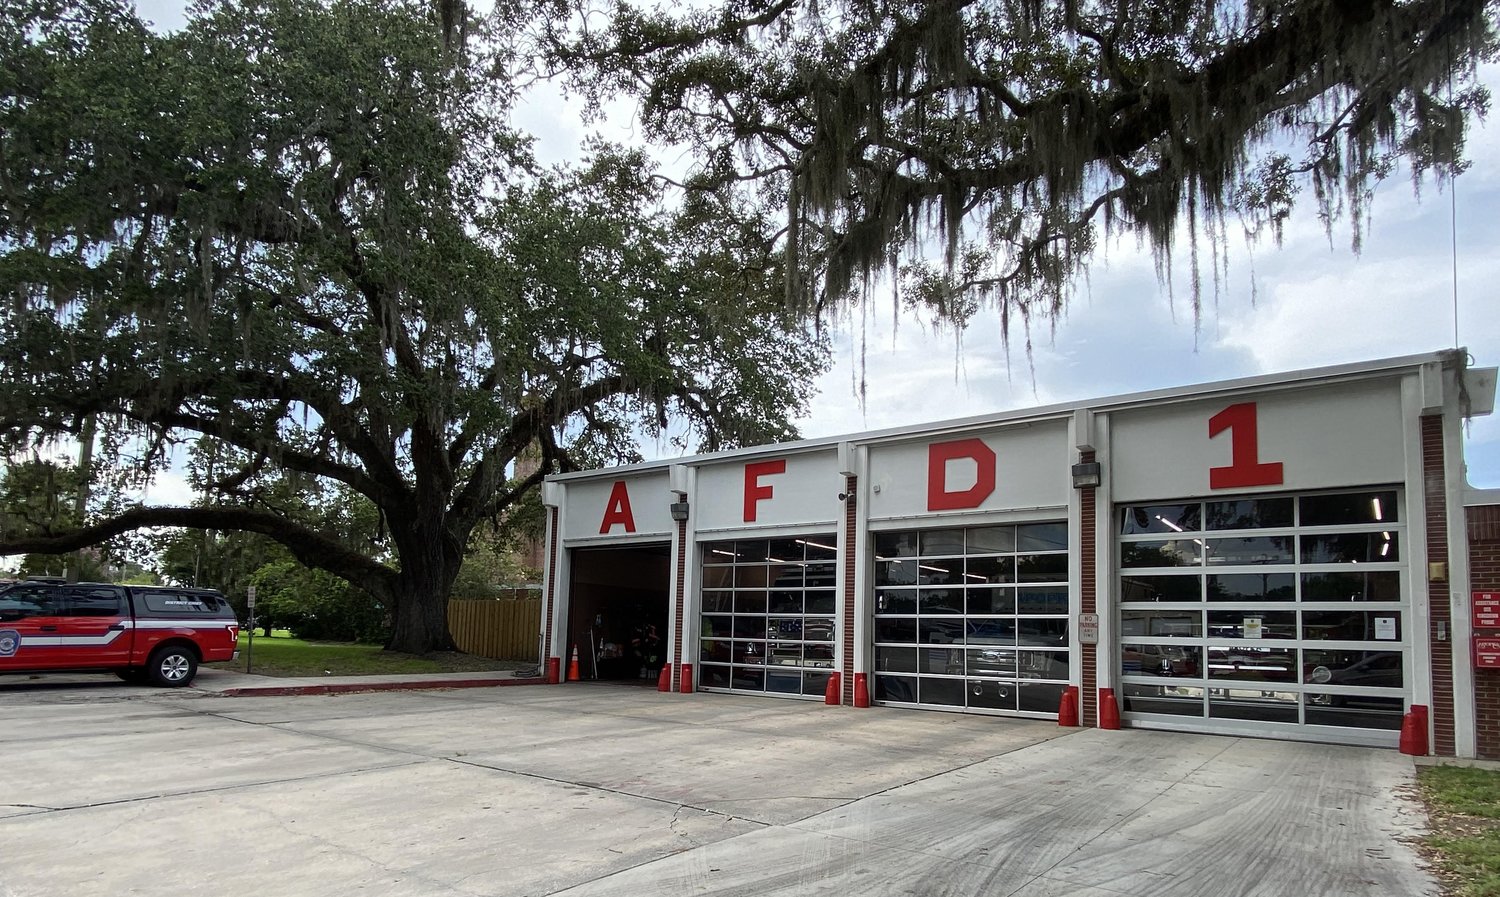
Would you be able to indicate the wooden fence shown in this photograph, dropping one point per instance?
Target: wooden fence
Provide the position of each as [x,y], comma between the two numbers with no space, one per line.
[500,628]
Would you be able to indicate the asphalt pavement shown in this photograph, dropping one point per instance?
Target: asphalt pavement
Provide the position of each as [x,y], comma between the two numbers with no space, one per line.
[588,789]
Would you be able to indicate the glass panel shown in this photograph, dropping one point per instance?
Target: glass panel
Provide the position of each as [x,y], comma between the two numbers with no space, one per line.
[941,601]
[1352,625]
[787,576]
[821,574]
[1252,550]
[1378,586]
[786,550]
[1161,588]
[751,551]
[990,695]
[941,571]
[942,542]
[1170,623]
[718,553]
[719,601]
[815,655]
[1042,633]
[896,688]
[1182,661]
[1257,513]
[711,676]
[944,692]
[1253,664]
[821,601]
[815,683]
[1160,519]
[992,662]
[1243,624]
[1351,507]
[1042,665]
[1052,600]
[822,547]
[817,629]
[990,569]
[748,678]
[1177,700]
[901,631]
[896,601]
[785,627]
[749,627]
[895,660]
[749,652]
[749,602]
[1042,537]
[896,573]
[1172,553]
[748,577]
[991,632]
[938,660]
[717,577]
[716,651]
[784,654]
[1376,669]
[1261,706]
[1039,697]
[1252,587]
[983,600]
[784,602]
[992,540]
[940,631]
[784,682]
[1042,568]
[717,625]
[1356,711]
[1344,548]
[896,545]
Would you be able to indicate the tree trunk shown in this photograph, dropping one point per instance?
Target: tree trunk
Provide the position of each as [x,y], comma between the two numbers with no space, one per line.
[430,558]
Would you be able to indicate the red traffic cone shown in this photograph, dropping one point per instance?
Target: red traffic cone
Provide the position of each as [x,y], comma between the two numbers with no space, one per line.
[554,667]
[834,693]
[573,666]
[1414,731]
[664,678]
[1067,708]
[685,685]
[1109,711]
[861,690]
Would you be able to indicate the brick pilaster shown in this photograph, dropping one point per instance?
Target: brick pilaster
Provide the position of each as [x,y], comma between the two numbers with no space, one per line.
[1435,509]
[1088,711]
[1484,576]
[851,552]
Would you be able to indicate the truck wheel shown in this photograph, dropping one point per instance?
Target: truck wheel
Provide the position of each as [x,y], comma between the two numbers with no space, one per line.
[172,666]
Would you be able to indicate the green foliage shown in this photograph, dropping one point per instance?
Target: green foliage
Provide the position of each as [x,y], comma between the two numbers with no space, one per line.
[303,242]
[982,150]
[316,604]
[1465,834]
[1473,792]
[295,657]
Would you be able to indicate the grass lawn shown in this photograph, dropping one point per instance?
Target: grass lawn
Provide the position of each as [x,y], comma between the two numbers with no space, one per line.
[284,656]
[1464,807]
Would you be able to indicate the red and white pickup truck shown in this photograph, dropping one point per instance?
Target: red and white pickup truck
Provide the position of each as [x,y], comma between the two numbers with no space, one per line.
[141,633]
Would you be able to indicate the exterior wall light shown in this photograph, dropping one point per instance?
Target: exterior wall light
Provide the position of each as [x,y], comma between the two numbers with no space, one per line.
[679,510]
[1086,475]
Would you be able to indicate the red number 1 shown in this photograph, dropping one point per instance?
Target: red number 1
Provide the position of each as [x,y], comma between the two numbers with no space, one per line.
[1245,468]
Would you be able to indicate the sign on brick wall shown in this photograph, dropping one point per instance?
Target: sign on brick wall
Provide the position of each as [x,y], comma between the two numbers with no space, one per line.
[1486,610]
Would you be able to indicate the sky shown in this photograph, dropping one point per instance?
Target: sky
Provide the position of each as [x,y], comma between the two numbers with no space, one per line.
[1309,303]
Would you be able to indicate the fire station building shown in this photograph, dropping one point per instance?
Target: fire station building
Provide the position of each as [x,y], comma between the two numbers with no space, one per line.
[1292,556]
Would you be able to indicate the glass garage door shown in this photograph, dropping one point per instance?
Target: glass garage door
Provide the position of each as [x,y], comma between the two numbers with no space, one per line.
[1287,611]
[768,613]
[973,619]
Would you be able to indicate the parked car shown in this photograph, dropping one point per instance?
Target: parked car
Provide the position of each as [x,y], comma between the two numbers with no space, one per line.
[141,633]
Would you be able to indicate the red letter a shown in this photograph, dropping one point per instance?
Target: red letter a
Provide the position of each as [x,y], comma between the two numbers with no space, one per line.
[618,510]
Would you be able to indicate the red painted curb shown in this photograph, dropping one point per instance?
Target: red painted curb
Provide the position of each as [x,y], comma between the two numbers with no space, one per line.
[346,687]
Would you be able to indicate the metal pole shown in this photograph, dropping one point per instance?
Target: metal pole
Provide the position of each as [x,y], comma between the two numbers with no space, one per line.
[250,604]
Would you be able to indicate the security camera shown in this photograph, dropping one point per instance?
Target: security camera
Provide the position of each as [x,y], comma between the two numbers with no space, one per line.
[843,496]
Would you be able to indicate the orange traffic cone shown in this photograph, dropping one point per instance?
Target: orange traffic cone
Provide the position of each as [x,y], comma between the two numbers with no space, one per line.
[573,666]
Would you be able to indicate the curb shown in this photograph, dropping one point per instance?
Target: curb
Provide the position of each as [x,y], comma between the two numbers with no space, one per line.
[345,687]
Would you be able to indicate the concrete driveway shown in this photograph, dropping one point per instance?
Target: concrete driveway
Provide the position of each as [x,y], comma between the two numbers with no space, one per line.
[596,790]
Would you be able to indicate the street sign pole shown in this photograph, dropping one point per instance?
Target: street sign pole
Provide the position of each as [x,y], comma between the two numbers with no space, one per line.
[250,605]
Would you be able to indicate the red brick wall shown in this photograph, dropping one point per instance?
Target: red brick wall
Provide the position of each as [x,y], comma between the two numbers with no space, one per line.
[679,583]
[1434,482]
[1484,576]
[851,551]
[1088,595]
